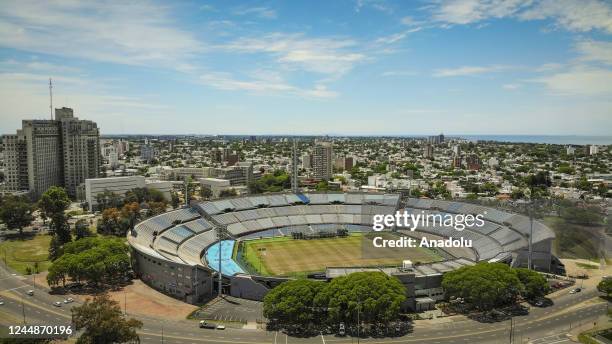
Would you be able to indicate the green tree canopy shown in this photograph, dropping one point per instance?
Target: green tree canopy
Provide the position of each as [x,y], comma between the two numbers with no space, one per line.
[484,285]
[93,259]
[605,286]
[535,285]
[16,213]
[292,302]
[81,229]
[377,296]
[53,204]
[103,323]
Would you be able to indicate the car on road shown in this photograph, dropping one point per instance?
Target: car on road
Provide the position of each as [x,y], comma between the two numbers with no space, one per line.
[30,292]
[69,300]
[1,302]
[575,290]
[57,304]
[207,325]
[220,327]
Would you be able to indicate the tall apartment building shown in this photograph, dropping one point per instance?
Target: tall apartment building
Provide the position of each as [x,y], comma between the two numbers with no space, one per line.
[80,148]
[428,151]
[44,153]
[436,139]
[322,160]
[306,161]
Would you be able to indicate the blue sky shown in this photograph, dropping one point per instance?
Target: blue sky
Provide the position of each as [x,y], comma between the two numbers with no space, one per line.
[312,67]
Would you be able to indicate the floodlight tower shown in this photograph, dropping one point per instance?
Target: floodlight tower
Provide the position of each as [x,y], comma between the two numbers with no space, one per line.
[294,168]
[220,236]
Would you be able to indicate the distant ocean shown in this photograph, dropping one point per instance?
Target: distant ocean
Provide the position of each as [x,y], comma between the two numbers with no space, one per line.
[550,139]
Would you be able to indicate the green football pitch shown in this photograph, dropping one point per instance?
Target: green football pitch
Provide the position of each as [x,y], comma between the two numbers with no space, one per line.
[285,256]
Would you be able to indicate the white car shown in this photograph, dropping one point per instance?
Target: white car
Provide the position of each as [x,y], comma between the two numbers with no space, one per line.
[30,292]
[220,327]
[57,304]
[1,302]
[69,300]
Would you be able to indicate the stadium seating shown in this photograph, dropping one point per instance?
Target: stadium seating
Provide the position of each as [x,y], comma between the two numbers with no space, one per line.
[186,235]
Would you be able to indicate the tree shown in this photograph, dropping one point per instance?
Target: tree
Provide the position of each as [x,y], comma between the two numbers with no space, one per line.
[156,208]
[81,229]
[16,213]
[605,286]
[130,213]
[205,192]
[102,322]
[228,193]
[111,222]
[535,285]
[53,204]
[93,259]
[175,200]
[375,295]
[484,285]
[292,302]
[108,199]
[322,186]
[55,247]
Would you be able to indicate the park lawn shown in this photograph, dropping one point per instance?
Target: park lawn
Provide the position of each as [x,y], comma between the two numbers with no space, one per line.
[572,241]
[23,253]
[285,256]
[587,266]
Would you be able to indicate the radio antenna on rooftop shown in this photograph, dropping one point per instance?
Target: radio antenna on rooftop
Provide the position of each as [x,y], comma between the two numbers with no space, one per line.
[51,98]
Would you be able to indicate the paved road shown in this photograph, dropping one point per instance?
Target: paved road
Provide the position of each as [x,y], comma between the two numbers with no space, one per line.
[540,323]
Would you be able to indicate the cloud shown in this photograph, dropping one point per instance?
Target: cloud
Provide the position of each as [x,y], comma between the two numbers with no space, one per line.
[580,16]
[511,87]
[595,51]
[134,33]
[467,71]
[263,82]
[24,93]
[549,67]
[580,80]
[378,5]
[472,11]
[334,56]
[392,73]
[589,74]
[260,12]
[396,37]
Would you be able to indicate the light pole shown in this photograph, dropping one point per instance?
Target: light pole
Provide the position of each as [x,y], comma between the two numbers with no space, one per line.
[23,310]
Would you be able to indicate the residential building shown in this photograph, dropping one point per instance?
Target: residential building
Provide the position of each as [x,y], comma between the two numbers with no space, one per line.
[322,161]
[44,153]
[306,161]
[428,151]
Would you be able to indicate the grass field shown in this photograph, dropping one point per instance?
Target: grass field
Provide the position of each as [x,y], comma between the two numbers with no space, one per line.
[23,253]
[285,256]
[572,240]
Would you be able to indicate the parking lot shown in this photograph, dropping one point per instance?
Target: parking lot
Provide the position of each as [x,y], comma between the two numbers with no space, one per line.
[231,310]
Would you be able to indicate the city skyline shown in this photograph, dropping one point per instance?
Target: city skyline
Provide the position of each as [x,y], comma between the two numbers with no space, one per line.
[362,67]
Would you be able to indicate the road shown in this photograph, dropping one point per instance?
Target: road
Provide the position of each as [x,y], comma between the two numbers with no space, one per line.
[540,323]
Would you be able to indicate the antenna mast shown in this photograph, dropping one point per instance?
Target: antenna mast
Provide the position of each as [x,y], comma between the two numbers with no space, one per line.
[51,98]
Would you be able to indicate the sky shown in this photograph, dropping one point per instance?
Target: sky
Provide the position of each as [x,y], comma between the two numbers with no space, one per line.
[345,67]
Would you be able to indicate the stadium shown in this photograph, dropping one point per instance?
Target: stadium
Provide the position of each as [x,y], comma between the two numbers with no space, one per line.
[268,239]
